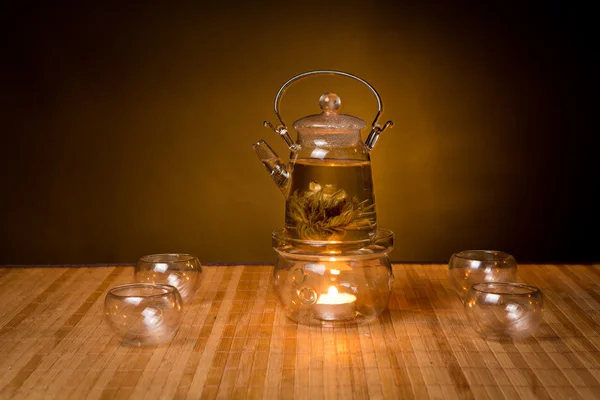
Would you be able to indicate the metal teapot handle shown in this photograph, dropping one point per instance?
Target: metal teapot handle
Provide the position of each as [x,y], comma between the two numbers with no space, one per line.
[282,129]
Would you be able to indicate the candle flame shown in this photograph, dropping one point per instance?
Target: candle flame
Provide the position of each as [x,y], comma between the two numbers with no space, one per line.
[335,271]
[333,297]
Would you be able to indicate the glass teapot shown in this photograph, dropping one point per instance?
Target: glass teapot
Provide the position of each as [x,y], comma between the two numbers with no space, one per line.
[327,183]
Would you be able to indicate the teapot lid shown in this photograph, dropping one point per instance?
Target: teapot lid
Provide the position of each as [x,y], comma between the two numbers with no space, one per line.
[329,119]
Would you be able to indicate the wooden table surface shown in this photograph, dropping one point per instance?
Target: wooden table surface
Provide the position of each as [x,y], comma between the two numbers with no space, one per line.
[235,342]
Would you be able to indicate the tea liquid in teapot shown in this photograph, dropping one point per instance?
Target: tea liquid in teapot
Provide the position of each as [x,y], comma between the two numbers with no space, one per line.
[331,200]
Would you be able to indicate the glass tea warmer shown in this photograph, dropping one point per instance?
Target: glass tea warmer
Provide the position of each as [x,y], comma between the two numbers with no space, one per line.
[333,265]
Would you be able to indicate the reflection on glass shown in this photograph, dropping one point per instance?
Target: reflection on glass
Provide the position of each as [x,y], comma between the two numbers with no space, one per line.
[467,268]
[504,310]
[143,314]
[180,270]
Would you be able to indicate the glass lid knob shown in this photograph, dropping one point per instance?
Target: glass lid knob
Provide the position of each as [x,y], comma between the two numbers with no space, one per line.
[330,103]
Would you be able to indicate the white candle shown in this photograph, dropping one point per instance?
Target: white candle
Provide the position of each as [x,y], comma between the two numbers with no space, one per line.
[335,306]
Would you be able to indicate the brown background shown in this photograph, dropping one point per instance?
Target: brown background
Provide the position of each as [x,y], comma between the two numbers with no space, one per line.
[128,130]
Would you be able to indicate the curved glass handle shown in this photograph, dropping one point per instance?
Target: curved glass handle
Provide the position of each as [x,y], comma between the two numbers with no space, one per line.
[282,129]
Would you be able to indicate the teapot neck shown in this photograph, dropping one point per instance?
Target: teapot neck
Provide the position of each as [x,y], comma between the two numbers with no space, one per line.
[329,139]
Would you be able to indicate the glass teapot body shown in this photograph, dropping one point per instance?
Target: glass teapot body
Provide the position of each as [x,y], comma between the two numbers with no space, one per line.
[330,197]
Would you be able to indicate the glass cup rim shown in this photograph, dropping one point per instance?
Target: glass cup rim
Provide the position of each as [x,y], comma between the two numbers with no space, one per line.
[484,287]
[479,255]
[169,290]
[164,258]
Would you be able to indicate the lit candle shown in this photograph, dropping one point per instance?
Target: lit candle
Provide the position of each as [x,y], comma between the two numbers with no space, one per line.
[335,306]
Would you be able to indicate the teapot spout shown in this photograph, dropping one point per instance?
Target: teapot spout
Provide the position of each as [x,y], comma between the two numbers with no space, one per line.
[278,170]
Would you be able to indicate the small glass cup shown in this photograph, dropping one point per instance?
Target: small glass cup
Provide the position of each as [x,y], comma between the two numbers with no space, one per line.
[504,310]
[469,267]
[183,271]
[143,313]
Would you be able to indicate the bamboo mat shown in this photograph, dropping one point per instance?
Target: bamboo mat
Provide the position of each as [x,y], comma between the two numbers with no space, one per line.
[235,342]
